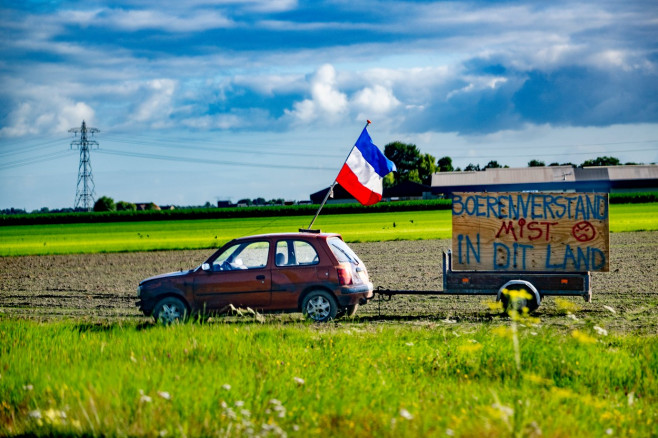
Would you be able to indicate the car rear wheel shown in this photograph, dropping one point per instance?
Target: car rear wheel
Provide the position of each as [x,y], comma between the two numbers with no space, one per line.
[170,310]
[320,306]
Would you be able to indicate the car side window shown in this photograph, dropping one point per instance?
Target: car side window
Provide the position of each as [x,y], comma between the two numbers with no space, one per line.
[295,253]
[251,255]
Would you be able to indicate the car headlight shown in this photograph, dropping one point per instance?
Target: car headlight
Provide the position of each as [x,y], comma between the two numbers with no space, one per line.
[139,291]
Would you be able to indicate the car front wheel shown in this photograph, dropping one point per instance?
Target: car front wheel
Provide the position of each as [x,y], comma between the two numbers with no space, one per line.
[320,306]
[170,310]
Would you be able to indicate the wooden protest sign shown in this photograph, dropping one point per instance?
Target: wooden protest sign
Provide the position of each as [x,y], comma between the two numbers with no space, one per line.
[526,232]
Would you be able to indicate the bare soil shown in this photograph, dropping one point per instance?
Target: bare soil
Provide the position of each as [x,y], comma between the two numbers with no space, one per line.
[103,286]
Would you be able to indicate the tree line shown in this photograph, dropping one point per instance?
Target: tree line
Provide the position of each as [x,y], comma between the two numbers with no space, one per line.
[415,166]
[412,165]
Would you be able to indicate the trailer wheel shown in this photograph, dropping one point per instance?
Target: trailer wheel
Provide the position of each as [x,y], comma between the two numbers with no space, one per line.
[519,296]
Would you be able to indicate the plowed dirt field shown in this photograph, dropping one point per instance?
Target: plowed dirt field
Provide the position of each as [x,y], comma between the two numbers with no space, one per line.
[102,286]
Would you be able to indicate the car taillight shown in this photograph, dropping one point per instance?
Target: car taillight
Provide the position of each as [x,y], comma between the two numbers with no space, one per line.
[344,275]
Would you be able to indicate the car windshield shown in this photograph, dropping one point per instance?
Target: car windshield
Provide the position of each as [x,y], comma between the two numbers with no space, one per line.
[342,252]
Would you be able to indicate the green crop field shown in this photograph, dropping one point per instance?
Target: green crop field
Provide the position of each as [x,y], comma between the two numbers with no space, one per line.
[295,379]
[205,233]
[193,234]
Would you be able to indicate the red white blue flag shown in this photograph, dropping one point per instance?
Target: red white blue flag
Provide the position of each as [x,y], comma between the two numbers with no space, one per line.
[364,170]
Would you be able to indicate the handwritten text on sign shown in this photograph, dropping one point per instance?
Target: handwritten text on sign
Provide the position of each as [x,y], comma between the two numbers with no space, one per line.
[530,232]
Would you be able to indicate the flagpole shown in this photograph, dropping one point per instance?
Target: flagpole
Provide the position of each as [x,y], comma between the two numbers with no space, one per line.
[331,188]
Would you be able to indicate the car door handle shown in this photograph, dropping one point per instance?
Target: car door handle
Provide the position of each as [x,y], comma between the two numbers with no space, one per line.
[260,277]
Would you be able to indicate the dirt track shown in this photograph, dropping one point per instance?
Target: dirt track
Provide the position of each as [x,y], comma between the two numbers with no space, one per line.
[102,286]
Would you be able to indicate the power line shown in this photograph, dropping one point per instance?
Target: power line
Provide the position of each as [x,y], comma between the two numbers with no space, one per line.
[540,155]
[195,144]
[192,139]
[307,167]
[177,145]
[30,147]
[569,146]
[208,161]
[27,161]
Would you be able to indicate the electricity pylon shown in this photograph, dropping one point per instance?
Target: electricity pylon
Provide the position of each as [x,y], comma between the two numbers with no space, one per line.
[84,194]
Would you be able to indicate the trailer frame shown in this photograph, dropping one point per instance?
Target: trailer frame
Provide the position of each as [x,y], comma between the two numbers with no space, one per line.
[538,284]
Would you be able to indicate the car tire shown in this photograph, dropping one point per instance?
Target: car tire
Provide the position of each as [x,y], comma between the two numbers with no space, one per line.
[170,310]
[319,306]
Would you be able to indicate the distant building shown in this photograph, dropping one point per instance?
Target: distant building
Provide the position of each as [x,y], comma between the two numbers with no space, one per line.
[340,196]
[404,191]
[553,178]
[633,178]
[146,206]
[407,190]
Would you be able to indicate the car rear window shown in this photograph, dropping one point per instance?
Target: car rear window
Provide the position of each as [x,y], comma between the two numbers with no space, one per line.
[342,252]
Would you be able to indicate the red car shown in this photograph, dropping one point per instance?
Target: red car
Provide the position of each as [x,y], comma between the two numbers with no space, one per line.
[315,273]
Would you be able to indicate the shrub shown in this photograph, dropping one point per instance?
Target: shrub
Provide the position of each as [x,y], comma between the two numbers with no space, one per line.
[126,206]
[105,203]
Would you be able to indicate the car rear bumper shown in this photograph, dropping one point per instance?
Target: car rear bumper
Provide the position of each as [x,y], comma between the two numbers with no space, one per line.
[357,289]
[351,295]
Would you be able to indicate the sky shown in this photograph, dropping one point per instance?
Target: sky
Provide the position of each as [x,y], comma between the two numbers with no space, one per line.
[207,100]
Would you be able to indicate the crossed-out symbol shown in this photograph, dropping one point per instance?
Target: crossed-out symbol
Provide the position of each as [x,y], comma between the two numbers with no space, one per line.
[583,231]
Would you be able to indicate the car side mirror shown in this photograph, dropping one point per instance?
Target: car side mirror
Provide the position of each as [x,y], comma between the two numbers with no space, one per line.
[206,267]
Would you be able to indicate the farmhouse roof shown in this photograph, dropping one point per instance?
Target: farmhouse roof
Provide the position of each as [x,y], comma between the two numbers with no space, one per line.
[552,178]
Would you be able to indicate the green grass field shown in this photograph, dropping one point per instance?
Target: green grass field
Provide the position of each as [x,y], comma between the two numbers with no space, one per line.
[247,379]
[195,234]
[235,376]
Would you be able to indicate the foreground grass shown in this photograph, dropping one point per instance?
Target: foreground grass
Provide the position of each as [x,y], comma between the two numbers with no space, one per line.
[196,234]
[351,379]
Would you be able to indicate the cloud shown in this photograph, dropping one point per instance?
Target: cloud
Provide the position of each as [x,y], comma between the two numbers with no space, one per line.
[374,101]
[261,6]
[269,65]
[234,120]
[269,5]
[579,96]
[42,110]
[134,20]
[156,106]
[326,100]
[470,74]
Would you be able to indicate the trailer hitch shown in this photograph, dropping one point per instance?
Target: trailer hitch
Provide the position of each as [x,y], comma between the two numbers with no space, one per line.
[383,291]
[380,292]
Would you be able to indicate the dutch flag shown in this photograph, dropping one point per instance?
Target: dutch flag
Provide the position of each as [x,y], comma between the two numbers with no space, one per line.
[364,170]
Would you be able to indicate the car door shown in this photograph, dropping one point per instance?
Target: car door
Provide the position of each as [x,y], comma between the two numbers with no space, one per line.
[295,268]
[240,276]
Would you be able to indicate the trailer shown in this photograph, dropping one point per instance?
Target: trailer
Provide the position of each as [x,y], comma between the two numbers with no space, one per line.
[521,247]
[537,285]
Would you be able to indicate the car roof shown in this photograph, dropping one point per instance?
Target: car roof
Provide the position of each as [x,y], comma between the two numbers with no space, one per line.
[307,235]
